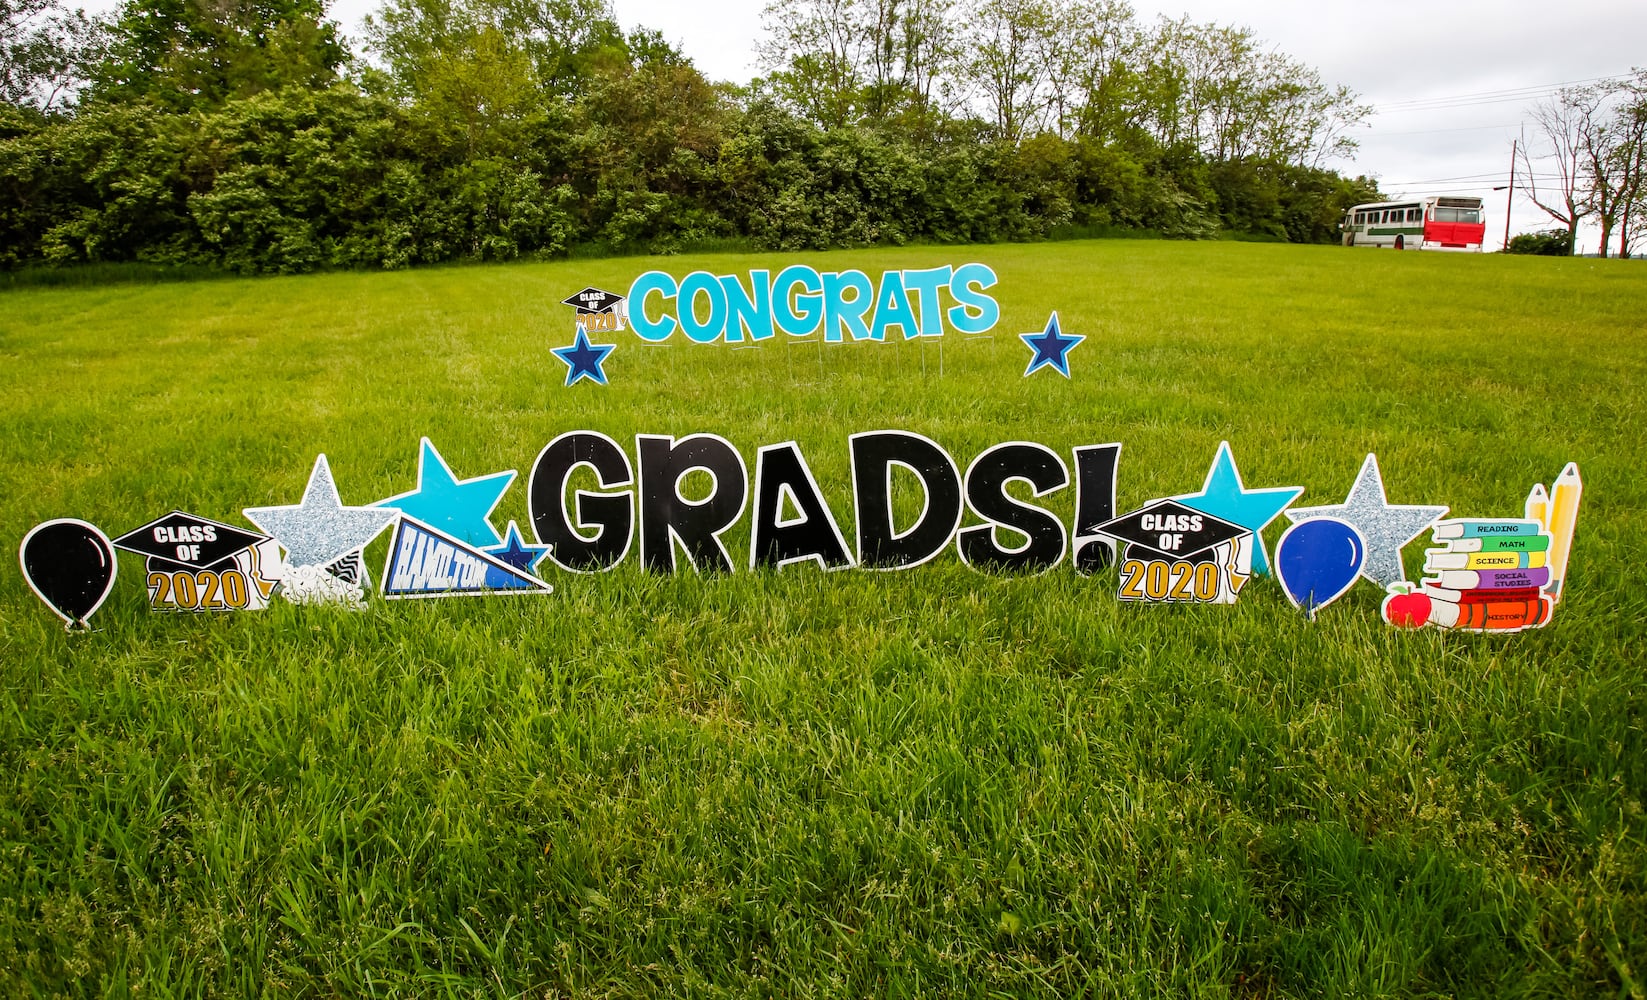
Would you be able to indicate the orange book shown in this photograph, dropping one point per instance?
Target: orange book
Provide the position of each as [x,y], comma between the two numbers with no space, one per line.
[1492,616]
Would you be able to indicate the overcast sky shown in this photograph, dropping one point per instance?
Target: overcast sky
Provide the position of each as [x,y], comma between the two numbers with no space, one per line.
[1452,81]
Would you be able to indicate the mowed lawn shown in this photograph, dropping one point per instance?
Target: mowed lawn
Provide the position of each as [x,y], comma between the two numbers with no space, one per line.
[930,782]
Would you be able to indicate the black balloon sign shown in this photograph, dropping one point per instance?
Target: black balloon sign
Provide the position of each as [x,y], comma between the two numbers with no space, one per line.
[70,565]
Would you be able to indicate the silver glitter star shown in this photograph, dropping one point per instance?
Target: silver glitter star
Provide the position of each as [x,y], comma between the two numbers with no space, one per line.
[321,530]
[1384,526]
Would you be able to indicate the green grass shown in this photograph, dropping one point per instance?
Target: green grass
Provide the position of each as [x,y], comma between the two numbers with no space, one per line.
[935,782]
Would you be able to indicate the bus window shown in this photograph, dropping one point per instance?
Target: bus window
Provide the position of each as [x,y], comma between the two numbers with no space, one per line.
[1413,215]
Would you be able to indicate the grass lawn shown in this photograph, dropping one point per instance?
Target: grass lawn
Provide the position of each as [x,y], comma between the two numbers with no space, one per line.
[858,784]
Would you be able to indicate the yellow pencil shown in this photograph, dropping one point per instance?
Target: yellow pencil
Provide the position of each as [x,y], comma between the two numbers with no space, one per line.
[1565,493]
[1538,506]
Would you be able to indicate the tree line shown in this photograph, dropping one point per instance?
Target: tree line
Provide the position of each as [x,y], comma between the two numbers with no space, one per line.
[253,135]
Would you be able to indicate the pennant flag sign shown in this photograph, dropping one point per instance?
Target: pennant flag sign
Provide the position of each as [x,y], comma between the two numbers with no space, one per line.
[427,562]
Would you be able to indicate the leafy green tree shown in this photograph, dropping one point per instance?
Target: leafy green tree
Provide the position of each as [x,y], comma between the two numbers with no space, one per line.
[841,63]
[1008,63]
[815,52]
[45,53]
[186,54]
[416,40]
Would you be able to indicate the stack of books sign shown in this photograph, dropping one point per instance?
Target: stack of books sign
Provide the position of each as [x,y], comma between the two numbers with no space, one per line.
[1504,574]
[1489,574]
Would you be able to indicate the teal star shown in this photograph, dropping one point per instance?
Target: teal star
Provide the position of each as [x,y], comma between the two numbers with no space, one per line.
[462,509]
[1224,495]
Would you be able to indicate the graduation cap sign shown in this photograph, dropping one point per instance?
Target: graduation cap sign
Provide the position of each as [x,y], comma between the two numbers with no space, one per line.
[187,540]
[598,309]
[197,564]
[1176,553]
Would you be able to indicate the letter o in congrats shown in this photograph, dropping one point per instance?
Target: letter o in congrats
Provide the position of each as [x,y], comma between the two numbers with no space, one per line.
[702,283]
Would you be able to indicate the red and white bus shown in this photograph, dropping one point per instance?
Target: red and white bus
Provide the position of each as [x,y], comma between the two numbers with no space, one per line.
[1436,223]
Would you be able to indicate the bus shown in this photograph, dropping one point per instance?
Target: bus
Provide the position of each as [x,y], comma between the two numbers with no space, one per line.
[1436,223]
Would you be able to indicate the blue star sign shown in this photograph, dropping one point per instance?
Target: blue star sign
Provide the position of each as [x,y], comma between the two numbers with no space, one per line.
[461,508]
[1224,495]
[583,359]
[516,552]
[1051,347]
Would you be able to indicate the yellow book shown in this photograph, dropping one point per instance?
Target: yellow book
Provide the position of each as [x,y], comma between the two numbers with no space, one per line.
[1437,559]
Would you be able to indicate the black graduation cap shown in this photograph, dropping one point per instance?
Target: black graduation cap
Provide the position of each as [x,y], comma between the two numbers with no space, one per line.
[188,540]
[1172,529]
[593,300]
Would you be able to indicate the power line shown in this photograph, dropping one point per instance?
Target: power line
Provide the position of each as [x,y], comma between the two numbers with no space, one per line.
[1445,190]
[1484,178]
[1455,105]
[1438,131]
[1489,96]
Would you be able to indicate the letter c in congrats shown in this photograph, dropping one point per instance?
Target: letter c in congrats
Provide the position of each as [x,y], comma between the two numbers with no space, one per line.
[645,327]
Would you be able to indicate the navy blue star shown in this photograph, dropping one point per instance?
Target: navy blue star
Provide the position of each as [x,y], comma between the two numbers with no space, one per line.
[1051,347]
[516,552]
[583,359]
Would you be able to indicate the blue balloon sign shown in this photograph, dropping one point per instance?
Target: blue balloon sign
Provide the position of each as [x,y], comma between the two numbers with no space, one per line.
[1318,560]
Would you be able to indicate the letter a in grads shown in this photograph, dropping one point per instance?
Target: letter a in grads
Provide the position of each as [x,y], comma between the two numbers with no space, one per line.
[783,483]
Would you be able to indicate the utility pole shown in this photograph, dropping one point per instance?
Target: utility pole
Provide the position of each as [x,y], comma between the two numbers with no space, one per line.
[1509,199]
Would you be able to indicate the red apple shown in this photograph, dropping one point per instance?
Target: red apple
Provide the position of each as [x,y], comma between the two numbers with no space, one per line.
[1407,610]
